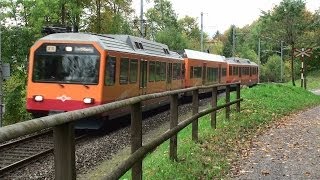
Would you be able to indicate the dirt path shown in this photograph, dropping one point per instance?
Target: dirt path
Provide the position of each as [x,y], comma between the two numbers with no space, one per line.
[288,150]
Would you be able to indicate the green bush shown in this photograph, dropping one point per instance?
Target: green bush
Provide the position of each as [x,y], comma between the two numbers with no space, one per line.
[15,99]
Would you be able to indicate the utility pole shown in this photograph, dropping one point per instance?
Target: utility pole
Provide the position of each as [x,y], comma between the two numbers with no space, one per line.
[281,64]
[201,32]
[1,77]
[259,59]
[141,19]
[233,41]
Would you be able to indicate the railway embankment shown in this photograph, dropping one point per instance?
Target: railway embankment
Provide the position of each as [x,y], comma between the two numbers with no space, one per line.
[218,151]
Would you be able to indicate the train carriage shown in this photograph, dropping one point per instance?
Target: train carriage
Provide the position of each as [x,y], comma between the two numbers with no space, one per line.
[203,68]
[242,70]
[69,71]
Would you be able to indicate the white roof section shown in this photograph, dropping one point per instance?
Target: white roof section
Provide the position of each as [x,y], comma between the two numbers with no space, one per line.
[122,43]
[192,54]
[240,61]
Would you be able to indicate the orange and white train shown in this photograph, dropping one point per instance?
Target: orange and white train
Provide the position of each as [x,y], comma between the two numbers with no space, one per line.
[70,71]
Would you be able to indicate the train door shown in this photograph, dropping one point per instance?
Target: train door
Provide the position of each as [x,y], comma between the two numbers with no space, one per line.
[204,73]
[219,73]
[143,77]
[169,76]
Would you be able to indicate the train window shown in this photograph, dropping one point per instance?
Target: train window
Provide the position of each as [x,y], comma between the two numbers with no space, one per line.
[158,75]
[137,45]
[110,75]
[163,71]
[124,69]
[140,45]
[212,74]
[133,70]
[183,72]
[224,71]
[197,72]
[175,71]
[152,69]
[236,70]
[191,72]
[179,70]
[230,70]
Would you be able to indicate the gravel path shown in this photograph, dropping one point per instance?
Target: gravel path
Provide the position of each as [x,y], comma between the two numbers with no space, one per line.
[290,149]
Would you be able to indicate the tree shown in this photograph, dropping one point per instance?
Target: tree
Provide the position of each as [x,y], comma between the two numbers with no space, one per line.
[286,22]
[172,38]
[271,70]
[227,49]
[162,16]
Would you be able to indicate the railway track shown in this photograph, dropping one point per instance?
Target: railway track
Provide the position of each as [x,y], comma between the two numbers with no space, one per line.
[21,152]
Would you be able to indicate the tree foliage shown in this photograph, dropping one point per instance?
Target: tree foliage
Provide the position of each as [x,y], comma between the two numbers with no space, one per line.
[287,22]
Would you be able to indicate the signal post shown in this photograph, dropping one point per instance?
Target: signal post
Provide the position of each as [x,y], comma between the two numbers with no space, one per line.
[302,53]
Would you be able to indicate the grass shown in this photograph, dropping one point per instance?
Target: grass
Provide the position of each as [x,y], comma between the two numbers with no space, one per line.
[313,81]
[210,158]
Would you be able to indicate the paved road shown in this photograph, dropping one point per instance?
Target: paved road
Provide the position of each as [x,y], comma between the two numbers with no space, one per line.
[289,150]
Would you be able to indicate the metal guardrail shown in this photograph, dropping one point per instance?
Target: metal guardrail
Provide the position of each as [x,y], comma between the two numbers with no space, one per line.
[63,131]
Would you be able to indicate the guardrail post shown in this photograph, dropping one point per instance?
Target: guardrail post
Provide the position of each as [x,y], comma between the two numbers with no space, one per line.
[227,101]
[64,151]
[214,104]
[238,97]
[136,138]
[195,110]
[173,123]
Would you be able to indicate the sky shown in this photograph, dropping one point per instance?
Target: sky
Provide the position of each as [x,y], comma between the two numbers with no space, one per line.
[221,14]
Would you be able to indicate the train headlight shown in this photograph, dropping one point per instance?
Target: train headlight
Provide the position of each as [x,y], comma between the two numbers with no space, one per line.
[88,100]
[68,49]
[38,98]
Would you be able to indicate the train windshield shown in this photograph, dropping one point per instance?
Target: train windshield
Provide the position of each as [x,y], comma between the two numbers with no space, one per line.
[66,68]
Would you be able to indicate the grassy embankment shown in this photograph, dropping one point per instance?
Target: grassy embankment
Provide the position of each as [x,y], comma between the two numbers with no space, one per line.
[313,80]
[211,157]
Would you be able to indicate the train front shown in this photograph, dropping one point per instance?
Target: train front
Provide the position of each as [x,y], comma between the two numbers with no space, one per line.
[63,74]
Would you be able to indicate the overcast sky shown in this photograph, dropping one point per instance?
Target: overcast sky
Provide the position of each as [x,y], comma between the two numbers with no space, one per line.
[221,14]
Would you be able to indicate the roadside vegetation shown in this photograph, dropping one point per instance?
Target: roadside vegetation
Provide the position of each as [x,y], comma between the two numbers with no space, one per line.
[212,156]
[313,80]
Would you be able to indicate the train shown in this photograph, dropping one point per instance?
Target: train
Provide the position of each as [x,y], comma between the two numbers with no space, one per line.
[70,71]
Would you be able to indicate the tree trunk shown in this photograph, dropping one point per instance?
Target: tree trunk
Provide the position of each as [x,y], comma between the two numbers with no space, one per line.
[292,66]
[63,13]
[98,16]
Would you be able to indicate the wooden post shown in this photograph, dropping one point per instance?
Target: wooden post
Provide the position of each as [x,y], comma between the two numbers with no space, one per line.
[195,110]
[227,101]
[136,138]
[214,104]
[238,97]
[173,123]
[64,151]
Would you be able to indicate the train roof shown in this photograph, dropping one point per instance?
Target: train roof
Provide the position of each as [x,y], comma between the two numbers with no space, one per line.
[192,54]
[123,43]
[240,61]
